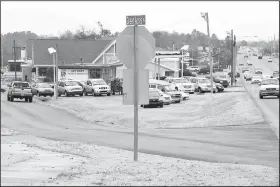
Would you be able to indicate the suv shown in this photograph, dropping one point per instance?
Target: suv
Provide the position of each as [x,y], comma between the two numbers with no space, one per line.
[203,85]
[187,85]
[20,90]
[99,87]
[68,88]
[154,98]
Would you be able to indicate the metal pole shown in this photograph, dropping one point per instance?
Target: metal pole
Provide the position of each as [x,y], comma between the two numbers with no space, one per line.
[158,68]
[210,60]
[182,66]
[15,61]
[2,55]
[231,57]
[155,76]
[54,74]
[234,59]
[135,98]
[56,70]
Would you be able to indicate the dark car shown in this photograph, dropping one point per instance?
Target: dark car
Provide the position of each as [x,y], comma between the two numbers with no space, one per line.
[259,57]
[221,79]
[236,74]
[219,87]
[204,70]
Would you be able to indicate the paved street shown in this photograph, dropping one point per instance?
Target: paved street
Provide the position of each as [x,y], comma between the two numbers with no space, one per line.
[248,144]
[269,106]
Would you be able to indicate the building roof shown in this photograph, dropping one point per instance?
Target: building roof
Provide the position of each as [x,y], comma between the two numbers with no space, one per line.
[69,51]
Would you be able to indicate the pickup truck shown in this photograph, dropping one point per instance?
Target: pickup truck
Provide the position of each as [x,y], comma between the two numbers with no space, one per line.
[20,90]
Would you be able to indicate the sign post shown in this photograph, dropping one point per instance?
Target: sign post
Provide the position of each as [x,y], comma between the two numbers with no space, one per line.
[136,48]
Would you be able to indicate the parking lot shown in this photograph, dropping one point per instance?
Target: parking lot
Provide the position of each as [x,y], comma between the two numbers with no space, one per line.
[231,107]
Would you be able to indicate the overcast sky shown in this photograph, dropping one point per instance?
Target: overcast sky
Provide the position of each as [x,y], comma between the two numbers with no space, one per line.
[245,18]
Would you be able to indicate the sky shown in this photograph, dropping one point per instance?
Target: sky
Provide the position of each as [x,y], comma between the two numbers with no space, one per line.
[247,19]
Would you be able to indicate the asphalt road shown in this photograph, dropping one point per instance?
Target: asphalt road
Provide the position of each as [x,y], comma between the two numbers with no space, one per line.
[269,106]
[247,144]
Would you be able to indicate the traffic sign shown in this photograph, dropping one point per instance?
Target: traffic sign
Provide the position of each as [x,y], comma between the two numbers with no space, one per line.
[128,87]
[145,46]
[136,20]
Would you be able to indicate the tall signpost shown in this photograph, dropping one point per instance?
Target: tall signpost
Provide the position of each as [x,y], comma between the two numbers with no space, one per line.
[136,48]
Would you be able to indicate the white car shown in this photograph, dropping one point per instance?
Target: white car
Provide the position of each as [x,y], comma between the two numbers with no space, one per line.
[184,96]
[249,63]
[203,84]
[256,79]
[247,76]
[269,87]
[269,59]
[43,89]
[167,100]
[100,87]
[266,76]
[188,87]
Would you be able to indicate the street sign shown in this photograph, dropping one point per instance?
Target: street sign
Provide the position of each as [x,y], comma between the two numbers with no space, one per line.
[136,20]
[145,46]
[128,85]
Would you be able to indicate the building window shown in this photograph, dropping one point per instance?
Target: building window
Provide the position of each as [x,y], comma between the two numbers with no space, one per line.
[42,71]
[95,73]
[18,67]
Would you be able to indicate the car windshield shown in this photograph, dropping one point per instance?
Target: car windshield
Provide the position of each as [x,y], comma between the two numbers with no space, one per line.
[98,82]
[169,88]
[179,80]
[270,81]
[203,80]
[44,85]
[71,83]
[21,84]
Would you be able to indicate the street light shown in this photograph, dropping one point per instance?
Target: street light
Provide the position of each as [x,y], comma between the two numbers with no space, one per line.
[53,52]
[205,16]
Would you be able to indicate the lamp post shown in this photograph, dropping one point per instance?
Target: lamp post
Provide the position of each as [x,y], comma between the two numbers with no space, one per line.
[53,52]
[206,18]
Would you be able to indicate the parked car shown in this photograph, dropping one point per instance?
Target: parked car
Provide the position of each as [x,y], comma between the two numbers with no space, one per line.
[204,70]
[269,87]
[219,87]
[260,57]
[249,63]
[154,98]
[167,100]
[69,88]
[19,90]
[223,79]
[256,79]
[237,74]
[266,76]
[269,59]
[43,89]
[203,85]
[166,88]
[193,68]
[100,87]
[188,87]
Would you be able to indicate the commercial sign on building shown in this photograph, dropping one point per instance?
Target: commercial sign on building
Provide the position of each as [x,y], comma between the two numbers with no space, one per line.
[74,74]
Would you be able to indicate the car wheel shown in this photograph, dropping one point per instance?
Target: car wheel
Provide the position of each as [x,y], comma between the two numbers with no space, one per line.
[30,100]
[261,97]
[66,94]
[82,94]
[199,90]
[144,106]
[108,94]
[12,98]
[85,92]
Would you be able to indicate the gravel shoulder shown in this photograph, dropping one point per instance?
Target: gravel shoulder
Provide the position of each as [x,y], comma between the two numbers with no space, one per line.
[232,107]
[28,160]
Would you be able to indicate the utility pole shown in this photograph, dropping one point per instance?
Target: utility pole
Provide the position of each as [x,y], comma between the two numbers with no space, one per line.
[15,61]
[56,70]
[231,42]
[234,57]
